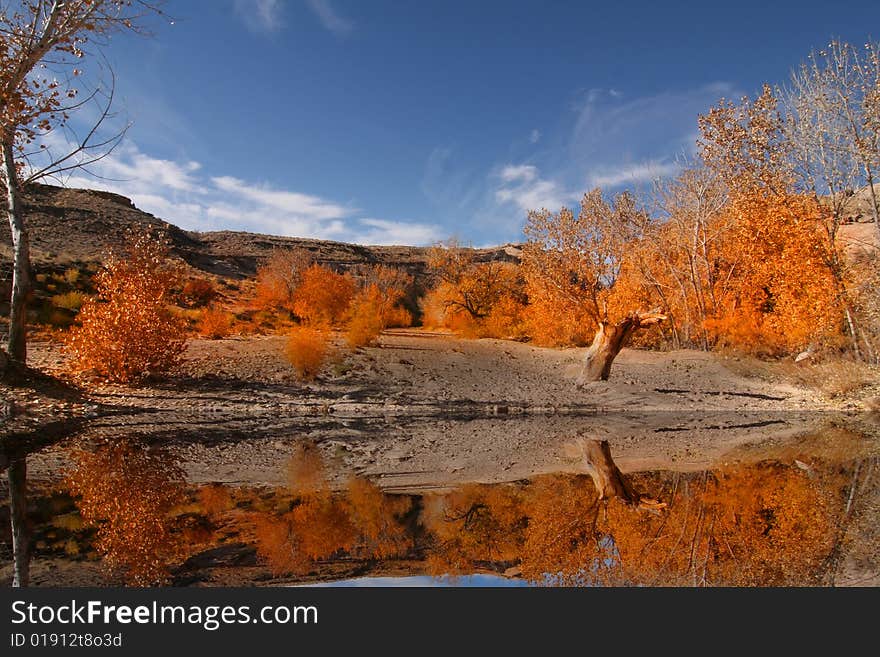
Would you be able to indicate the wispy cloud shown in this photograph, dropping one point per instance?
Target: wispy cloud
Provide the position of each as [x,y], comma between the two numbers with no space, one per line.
[631,174]
[260,15]
[522,186]
[535,136]
[280,200]
[385,232]
[330,18]
[449,182]
[525,173]
[179,193]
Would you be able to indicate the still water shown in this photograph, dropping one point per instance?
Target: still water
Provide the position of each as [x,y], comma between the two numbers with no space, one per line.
[800,512]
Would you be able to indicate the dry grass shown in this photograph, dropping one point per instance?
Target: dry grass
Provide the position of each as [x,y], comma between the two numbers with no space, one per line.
[832,376]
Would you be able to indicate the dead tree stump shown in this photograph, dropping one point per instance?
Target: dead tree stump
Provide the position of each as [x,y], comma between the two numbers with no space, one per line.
[609,340]
[609,480]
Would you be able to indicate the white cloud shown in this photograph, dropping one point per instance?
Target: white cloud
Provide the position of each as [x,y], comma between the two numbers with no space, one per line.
[523,172]
[522,186]
[632,174]
[535,136]
[280,200]
[384,232]
[176,192]
[260,15]
[329,17]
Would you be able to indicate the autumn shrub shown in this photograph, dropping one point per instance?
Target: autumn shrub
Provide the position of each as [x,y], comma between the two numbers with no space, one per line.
[507,319]
[198,292]
[376,517]
[306,470]
[71,275]
[127,331]
[308,350]
[433,309]
[214,499]
[371,311]
[551,322]
[126,493]
[363,328]
[72,301]
[277,544]
[279,277]
[215,323]
[323,296]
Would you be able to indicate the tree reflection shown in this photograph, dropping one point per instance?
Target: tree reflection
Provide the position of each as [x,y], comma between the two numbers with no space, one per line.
[474,525]
[360,521]
[763,525]
[766,525]
[127,493]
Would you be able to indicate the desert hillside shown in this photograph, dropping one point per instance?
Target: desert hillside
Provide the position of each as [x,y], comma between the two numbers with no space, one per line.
[70,226]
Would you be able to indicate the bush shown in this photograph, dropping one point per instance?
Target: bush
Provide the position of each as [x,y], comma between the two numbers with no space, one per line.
[373,310]
[198,292]
[215,499]
[71,276]
[128,332]
[308,350]
[72,301]
[323,296]
[215,323]
[364,328]
[278,278]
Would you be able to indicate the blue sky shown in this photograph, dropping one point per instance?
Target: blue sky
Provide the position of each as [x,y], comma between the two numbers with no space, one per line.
[409,122]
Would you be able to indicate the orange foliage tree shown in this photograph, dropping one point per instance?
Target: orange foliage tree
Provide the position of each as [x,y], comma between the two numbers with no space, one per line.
[790,287]
[322,296]
[128,331]
[378,305]
[127,493]
[571,263]
[761,525]
[278,278]
[476,298]
[780,296]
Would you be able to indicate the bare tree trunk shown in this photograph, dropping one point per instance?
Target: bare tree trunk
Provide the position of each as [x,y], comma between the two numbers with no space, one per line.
[608,342]
[21,259]
[607,477]
[875,204]
[17,475]
[605,473]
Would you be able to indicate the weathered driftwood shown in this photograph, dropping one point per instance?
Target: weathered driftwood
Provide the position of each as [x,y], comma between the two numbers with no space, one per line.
[609,340]
[608,478]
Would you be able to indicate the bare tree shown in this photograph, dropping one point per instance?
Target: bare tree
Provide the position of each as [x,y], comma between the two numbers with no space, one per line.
[831,121]
[683,243]
[40,42]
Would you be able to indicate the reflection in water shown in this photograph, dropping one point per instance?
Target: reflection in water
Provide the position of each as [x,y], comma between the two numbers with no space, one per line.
[360,521]
[126,493]
[765,524]
[771,523]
